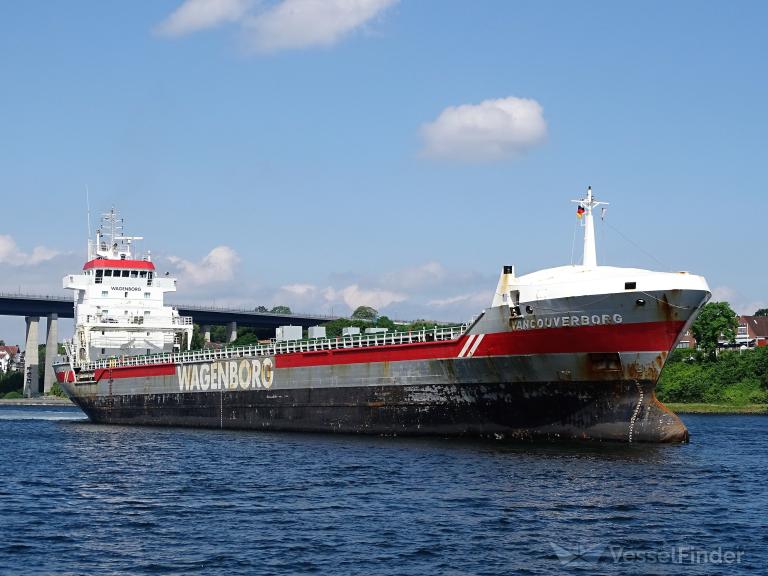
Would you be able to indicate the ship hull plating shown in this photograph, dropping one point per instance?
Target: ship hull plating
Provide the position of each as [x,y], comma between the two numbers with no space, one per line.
[574,368]
[602,410]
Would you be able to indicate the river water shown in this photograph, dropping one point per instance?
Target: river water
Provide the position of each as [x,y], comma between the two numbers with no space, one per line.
[79,498]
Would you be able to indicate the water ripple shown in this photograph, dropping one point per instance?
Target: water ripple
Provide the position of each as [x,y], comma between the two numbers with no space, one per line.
[79,498]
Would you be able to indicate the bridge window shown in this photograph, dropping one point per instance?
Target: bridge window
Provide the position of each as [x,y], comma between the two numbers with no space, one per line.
[107,273]
[98,276]
[143,274]
[125,273]
[134,273]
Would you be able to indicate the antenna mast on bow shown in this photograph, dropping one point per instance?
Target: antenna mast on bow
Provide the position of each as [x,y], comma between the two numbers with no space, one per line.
[586,205]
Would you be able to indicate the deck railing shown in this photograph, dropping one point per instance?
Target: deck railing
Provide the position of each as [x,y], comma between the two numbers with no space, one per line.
[282,347]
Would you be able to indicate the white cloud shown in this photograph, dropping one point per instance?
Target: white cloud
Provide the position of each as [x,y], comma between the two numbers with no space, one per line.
[723,294]
[195,15]
[491,130]
[308,296]
[11,254]
[300,289]
[218,266]
[428,274]
[283,25]
[427,290]
[479,299]
[741,304]
[354,296]
[302,23]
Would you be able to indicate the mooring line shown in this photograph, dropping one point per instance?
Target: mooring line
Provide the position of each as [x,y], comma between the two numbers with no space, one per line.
[636,412]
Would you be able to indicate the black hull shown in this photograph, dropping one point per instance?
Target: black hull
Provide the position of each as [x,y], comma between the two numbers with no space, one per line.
[623,411]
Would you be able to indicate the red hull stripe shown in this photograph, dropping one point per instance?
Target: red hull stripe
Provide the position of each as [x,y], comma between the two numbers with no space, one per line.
[70,376]
[122,264]
[639,337]
[135,372]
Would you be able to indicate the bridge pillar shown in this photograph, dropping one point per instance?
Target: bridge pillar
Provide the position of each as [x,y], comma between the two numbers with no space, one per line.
[31,359]
[206,333]
[231,332]
[51,350]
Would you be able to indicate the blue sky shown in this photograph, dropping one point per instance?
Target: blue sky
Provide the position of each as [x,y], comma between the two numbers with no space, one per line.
[397,154]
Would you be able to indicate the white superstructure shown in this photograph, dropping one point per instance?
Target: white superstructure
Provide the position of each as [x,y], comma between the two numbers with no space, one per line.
[118,298]
[587,278]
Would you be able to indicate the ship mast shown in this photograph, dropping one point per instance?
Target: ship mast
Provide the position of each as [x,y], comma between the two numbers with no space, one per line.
[588,204]
[119,246]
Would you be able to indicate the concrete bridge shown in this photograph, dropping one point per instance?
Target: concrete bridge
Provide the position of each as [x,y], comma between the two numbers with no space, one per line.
[32,308]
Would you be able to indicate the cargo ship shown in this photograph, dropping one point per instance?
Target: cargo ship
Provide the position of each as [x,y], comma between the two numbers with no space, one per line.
[566,353]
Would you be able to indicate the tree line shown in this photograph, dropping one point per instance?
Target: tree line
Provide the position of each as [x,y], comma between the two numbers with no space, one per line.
[711,373]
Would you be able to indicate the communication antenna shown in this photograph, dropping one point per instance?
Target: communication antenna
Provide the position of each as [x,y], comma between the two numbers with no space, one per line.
[88,212]
[88,207]
[586,205]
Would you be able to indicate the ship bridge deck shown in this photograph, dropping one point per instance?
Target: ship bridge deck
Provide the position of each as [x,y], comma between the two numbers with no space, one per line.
[276,347]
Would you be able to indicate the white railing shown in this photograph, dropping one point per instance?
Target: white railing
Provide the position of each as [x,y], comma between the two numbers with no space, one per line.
[150,321]
[282,347]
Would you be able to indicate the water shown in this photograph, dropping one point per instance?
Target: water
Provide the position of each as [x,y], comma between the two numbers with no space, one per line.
[77,498]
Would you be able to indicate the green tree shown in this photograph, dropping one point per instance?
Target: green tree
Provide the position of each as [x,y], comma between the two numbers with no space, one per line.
[198,342]
[365,313]
[219,334]
[246,337]
[761,312]
[334,328]
[715,321]
[385,322]
[13,381]
[280,310]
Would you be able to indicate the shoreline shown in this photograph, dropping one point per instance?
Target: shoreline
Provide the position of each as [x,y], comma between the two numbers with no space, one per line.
[37,401]
[703,408]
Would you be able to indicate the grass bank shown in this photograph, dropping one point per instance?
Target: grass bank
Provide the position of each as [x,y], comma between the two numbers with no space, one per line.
[703,408]
[37,401]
